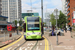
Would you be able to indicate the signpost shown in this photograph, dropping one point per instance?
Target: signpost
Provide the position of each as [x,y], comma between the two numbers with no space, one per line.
[56,13]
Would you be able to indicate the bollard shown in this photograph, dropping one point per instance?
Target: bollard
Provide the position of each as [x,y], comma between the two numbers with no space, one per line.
[10,35]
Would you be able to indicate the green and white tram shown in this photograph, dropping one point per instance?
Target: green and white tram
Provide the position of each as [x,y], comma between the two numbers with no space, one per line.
[33,28]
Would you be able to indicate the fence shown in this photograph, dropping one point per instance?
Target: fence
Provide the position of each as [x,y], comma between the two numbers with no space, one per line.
[7,37]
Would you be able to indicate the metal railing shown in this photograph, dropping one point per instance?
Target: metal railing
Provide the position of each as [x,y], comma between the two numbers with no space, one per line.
[8,37]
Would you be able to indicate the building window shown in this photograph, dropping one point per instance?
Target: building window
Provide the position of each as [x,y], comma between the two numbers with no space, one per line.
[69,20]
[69,11]
[69,1]
[68,16]
[66,0]
[69,6]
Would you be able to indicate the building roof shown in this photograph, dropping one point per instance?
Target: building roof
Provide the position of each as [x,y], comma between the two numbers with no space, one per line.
[3,16]
[3,23]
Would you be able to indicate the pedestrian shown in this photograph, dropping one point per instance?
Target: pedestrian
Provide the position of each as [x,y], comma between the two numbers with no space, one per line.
[70,29]
[52,31]
[65,29]
[62,29]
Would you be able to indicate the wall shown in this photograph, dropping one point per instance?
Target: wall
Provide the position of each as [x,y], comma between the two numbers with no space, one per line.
[72,5]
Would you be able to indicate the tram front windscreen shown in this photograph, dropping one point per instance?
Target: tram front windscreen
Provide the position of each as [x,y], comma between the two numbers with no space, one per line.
[33,23]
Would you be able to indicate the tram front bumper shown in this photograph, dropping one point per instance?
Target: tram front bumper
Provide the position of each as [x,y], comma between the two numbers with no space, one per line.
[33,37]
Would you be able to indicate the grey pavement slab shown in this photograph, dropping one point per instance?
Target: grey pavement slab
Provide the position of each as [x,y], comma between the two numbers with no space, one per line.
[65,42]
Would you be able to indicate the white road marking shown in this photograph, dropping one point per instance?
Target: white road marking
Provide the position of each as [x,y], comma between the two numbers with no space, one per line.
[28,47]
[40,43]
[37,48]
[29,44]
[18,44]
[21,48]
[9,48]
[32,43]
[25,48]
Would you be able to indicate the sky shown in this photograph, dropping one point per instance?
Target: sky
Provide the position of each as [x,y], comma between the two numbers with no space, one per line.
[48,6]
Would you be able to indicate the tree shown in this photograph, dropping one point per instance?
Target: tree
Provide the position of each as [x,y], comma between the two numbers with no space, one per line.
[52,19]
[15,22]
[44,24]
[20,22]
[62,20]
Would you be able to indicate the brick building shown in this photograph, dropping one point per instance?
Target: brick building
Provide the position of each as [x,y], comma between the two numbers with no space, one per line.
[71,8]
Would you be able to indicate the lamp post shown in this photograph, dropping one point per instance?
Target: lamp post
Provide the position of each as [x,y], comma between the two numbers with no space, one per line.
[42,14]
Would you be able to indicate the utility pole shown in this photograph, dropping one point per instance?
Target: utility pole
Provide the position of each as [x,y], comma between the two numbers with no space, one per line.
[42,14]
[56,17]
[56,27]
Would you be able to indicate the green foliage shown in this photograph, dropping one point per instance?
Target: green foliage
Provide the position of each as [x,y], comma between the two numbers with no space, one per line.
[52,19]
[73,26]
[73,29]
[15,22]
[20,22]
[20,28]
[62,20]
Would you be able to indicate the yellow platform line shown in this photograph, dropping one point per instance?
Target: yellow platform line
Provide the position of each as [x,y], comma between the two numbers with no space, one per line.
[46,44]
[12,43]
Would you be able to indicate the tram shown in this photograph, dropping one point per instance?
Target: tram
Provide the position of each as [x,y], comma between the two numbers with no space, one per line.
[33,27]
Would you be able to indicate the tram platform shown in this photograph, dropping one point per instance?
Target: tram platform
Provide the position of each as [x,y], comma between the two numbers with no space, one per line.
[65,42]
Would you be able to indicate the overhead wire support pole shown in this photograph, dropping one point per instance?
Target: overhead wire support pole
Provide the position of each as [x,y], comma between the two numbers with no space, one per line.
[56,19]
[31,5]
[42,14]
[56,27]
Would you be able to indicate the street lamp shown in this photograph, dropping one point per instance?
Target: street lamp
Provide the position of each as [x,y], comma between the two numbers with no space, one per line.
[42,14]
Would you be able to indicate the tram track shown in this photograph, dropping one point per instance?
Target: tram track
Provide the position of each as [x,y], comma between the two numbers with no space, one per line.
[25,43]
[35,45]
[20,45]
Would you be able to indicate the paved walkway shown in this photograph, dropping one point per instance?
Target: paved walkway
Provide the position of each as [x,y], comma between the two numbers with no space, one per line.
[65,42]
[6,40]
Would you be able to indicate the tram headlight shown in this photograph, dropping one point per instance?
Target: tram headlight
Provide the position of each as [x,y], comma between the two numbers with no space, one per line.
[38,33]
[28,34]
